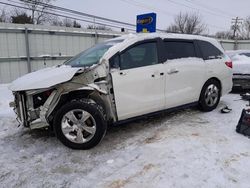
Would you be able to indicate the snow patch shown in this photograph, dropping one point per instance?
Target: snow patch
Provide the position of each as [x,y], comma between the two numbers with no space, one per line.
[5,98]
[44,78]
[110,161]
[241,64]
[188,148]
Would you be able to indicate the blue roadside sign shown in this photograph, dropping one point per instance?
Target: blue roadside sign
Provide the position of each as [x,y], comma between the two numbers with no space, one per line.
[146,23]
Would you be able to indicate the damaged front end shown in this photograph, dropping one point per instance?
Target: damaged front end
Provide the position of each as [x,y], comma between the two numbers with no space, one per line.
[29,107]
[39,95]
[19,108]
[36,108]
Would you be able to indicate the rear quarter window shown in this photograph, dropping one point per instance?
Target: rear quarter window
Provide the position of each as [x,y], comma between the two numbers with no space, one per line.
[209,51]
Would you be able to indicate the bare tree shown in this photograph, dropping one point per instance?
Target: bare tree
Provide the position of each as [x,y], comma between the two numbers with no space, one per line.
[3,16]
[188,23]
[56,21]
[244,30]
[19,16]
[67,22]
[21,19]
[38,10]
[76,24]
[99,27]
[224,35]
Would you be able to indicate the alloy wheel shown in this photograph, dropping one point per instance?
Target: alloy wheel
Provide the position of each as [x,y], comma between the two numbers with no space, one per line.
[211,95]
[78,126]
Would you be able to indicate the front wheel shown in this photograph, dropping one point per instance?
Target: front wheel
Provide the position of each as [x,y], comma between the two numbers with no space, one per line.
[210,96]
[80,125]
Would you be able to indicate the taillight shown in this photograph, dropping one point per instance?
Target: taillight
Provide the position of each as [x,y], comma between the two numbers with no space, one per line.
[229,64]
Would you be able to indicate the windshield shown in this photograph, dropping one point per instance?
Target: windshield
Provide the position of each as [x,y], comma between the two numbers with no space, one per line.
[92,55]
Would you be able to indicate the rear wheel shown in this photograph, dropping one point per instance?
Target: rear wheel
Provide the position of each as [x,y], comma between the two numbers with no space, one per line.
[80,125]
[210,96]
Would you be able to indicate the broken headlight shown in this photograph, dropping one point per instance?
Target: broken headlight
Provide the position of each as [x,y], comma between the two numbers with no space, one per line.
[40,98]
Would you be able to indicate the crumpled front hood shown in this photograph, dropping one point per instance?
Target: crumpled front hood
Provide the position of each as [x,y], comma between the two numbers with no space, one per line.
[44,78]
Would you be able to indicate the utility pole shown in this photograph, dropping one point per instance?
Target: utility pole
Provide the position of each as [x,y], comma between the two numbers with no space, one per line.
[95,32]
[235,25]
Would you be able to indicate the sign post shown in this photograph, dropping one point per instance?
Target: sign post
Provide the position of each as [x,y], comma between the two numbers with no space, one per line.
[146,23]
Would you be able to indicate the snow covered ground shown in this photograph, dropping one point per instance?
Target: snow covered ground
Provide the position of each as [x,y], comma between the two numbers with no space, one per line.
[182,149]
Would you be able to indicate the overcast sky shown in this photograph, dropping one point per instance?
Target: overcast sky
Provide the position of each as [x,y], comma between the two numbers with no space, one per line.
[217,14]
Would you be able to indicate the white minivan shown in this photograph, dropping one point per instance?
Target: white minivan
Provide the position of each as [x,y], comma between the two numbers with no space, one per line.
[122,79]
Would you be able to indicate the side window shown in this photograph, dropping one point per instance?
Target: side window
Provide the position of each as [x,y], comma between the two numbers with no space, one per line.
[179,49]
[209,51]
[138,56]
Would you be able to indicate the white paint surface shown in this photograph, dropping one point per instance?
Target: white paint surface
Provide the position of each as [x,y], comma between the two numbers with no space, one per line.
[184,86]
[137,92]
[44,78]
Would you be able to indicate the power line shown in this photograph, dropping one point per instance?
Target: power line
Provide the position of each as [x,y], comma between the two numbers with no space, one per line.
[70,17]
[60,15]
[197,9]
[101,19]
[78,13]
[213,9]
[138,4]
[135,3]
[83,14]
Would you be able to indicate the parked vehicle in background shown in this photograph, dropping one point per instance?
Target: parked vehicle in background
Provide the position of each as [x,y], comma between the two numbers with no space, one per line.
[241,68]
[122,79]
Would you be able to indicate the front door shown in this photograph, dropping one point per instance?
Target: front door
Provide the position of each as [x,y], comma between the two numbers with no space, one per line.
[139,85]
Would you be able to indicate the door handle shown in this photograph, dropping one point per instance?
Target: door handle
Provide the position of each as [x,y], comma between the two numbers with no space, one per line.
[161,74]
[123,73]
[173,71]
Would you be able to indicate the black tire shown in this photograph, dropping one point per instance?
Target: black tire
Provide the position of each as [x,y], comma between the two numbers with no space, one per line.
[96,113]
[204,104]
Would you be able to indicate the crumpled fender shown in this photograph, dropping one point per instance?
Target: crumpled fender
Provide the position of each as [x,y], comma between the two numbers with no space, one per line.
[93,87]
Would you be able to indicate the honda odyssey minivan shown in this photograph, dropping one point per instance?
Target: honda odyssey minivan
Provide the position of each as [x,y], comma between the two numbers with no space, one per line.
[121,79]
